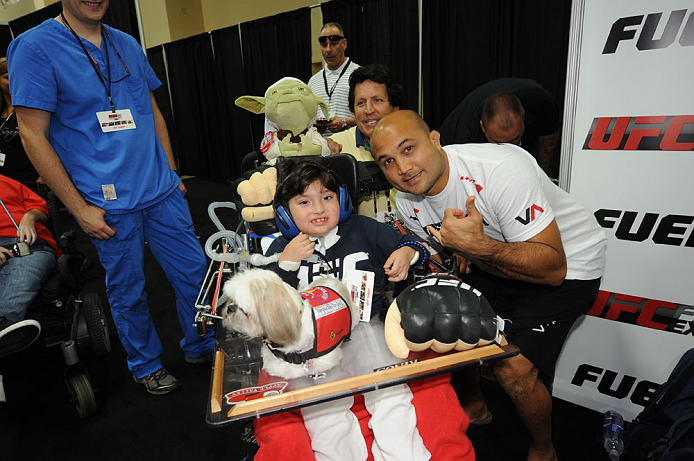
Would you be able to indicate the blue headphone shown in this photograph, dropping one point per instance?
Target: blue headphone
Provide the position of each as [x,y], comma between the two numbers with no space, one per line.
[284,220]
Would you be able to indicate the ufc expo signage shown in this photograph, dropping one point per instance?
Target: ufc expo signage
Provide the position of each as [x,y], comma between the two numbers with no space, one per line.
[630,122]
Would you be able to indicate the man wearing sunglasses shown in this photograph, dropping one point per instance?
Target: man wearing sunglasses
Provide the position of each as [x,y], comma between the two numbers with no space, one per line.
[91,127]
[332,83]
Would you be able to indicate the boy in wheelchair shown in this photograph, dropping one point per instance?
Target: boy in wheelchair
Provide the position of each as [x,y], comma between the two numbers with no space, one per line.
[314,215]
[28,255]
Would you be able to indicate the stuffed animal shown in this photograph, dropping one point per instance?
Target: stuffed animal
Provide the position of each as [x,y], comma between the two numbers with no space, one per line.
[302,333]
[442,313]
[256,194]
[290,109]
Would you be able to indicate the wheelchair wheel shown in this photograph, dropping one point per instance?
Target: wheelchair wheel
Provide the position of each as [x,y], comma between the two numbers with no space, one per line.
[96,324]
[82,395]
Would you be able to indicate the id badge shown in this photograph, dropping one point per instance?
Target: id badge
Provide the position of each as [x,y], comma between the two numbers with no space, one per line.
[361,287]
[116,121]
[2,159]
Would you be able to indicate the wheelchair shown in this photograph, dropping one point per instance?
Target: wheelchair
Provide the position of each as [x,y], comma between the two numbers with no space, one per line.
[231,251]
[70,318]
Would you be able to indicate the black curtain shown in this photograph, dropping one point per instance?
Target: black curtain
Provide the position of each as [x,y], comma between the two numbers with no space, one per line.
[468,43]
[230,72]
[384,32]
[155,56]
[5,39]
[120,14]
[30,20]
[199,126]
[275,47]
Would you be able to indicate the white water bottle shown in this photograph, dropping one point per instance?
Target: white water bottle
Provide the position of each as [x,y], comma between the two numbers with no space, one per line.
[611,440]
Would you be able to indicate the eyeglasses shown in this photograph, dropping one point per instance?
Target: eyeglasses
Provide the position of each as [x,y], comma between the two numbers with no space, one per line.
[332,38]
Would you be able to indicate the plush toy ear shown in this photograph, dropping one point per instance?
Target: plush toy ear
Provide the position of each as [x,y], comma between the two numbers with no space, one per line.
[255,104]
[262,188]
[270,175]
[323,106]
[257,213]
[248,193]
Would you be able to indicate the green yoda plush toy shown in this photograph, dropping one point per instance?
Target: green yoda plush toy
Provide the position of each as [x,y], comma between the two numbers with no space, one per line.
[290,109]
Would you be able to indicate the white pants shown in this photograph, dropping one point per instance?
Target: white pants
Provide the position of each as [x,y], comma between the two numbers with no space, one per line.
[336,435]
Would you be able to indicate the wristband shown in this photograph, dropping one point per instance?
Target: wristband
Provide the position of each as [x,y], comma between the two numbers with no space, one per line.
[421,249]
[289,266]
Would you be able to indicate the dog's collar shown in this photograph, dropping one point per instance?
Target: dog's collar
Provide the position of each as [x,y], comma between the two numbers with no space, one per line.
[297,358]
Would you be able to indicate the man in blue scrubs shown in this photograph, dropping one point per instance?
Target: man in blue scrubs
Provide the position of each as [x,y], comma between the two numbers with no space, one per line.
[91,127]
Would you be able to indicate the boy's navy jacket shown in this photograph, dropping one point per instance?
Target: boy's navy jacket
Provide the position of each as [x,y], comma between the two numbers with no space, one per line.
[365,244]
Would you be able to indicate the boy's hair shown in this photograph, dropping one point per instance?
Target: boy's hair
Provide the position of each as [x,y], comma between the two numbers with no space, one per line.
[297,174]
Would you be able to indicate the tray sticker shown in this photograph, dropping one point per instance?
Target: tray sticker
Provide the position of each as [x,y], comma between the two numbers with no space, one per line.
[255,392]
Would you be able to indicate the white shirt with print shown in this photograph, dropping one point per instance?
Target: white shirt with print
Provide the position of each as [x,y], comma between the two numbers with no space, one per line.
[517,201]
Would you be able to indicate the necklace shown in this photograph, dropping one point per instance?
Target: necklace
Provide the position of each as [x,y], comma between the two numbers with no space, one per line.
[325,80]
[6,119]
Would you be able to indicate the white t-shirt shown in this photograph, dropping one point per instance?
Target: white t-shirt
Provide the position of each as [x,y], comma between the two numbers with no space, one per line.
[517,201]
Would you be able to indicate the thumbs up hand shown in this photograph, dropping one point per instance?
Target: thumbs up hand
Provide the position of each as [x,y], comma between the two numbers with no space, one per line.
[460,231]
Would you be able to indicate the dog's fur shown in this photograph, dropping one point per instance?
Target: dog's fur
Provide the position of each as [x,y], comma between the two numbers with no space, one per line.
[261,304]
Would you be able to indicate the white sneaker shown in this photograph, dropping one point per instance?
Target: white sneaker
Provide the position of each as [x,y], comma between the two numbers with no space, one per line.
[18,336]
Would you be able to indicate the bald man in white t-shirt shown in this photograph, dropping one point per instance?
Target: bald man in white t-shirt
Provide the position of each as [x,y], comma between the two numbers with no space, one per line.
[536,254]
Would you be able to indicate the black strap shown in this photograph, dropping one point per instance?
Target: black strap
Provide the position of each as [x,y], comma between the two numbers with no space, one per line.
[297,358]
[662,448]
[325,80]
[327,263]
[93,61]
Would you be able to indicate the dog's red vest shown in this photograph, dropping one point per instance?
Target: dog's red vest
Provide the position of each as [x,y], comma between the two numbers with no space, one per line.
[332,318]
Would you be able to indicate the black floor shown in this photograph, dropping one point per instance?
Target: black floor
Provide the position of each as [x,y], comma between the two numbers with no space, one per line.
[39,423]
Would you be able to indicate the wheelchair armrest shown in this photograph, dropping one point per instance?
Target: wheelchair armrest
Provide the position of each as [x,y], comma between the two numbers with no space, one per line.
[372,179]
[67,240]
[70,274]
[70,262]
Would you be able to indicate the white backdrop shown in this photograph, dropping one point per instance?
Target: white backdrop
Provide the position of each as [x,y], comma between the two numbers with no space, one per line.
[630,83]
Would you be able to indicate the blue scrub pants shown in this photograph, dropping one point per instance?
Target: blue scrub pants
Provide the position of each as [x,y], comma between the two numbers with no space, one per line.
[168,229]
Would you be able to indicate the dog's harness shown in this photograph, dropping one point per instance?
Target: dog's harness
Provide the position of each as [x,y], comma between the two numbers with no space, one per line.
[332,321]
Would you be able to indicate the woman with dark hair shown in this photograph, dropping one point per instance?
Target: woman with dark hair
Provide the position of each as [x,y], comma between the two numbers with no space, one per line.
[14,162]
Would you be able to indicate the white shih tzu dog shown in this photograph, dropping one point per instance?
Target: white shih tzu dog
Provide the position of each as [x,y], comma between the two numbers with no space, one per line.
[301,332]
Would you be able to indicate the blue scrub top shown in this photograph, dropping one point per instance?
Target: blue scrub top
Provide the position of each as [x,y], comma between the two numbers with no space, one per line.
[50,71]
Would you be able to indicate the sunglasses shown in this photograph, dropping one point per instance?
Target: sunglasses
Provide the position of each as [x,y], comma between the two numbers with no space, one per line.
[332,38]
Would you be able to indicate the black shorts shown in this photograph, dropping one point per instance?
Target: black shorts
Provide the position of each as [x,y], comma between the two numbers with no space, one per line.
[538,317]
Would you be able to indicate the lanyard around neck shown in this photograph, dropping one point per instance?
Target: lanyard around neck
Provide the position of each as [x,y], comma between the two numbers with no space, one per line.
[325,80]
[8,214]
[6,119]
[93,62]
